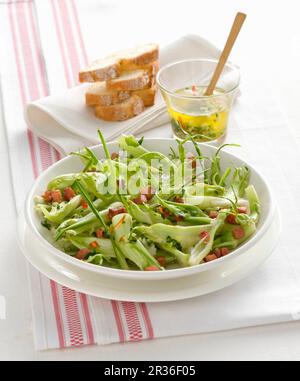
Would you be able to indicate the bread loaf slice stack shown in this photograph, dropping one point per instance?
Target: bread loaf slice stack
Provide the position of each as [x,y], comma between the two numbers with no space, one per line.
[123,84]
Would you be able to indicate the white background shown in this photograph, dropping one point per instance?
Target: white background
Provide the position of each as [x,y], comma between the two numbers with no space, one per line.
[269,46]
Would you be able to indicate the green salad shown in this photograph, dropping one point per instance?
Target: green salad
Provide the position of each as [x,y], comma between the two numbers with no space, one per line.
[142,210]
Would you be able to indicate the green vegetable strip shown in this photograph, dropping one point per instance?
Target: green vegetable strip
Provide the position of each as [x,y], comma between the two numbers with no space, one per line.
[120,257]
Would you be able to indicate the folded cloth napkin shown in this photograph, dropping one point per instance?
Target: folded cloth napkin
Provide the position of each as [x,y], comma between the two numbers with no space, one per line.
[65,318]
[65,122]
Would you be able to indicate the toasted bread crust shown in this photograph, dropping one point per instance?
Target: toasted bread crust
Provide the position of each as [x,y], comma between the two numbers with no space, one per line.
[147,95]
[151,54]
[94,74]
[127,60]
[122,111]
[129,83]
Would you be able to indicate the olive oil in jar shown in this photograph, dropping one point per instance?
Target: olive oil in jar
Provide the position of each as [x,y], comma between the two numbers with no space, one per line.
[194,114]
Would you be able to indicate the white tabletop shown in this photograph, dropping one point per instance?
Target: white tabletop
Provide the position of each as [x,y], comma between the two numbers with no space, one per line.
[270,47]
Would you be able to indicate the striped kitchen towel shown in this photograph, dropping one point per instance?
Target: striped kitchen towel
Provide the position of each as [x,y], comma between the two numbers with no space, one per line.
[41,50]
[62,317]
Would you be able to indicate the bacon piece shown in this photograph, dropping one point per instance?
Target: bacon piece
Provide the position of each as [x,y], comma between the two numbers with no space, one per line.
[69,194]
[151,268]
[99,233]
[213,214]
[47,196]
[224,251]
[81,254]
[114,156]
[205,236]
[231,219]
[210,257]
[115,211]
[238,233]
[56,196]
[141,199]
[161,260]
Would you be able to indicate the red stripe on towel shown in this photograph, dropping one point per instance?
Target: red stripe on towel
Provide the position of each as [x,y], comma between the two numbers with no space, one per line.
[60,42]
[87,318]
[77,23]
[69,38]
[58,318]
[22,87]
[118,319]
[147,320]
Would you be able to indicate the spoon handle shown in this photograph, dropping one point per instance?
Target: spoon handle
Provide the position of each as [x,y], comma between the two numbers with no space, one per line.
[235,30]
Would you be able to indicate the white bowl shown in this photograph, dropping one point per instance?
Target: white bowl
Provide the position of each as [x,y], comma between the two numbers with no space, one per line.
[30,224]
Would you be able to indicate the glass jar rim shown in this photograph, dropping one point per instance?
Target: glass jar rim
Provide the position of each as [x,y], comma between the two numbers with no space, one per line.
[176,95]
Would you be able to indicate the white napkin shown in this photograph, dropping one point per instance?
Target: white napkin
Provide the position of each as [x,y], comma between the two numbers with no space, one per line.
[64,121]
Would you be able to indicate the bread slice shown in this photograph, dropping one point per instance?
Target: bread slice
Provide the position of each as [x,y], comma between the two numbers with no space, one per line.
[129,81]
[140,55]
[151,68]
[110,67]
[98,95]
[122,111]
[101,70]
[147,95]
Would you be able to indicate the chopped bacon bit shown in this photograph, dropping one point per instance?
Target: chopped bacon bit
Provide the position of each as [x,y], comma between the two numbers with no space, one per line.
[194,89]
[231,219]
[114,156]
[69,194]
[213,214]
[47,196]
[164,212]
[242,210]
[178,218]
[151,268]
[84,204]
[56,195]
[99,233]
[115,211]
[179,200]
[238,233]
[205,236]
[161,261]
[218,252]
[210,258]
[81,254]
[224,251]
[149,192]
[94,244]
[141,199]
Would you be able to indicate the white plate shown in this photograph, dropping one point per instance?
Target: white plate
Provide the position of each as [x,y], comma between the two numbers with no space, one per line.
[147,286]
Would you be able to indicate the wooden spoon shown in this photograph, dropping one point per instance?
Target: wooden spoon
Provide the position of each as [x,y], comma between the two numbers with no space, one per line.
[235,30]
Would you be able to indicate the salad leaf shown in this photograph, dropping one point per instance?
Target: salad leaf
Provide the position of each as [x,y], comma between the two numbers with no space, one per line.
[60,211]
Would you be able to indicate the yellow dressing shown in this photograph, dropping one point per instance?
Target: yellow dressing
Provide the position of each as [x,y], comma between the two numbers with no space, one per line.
[194,115]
